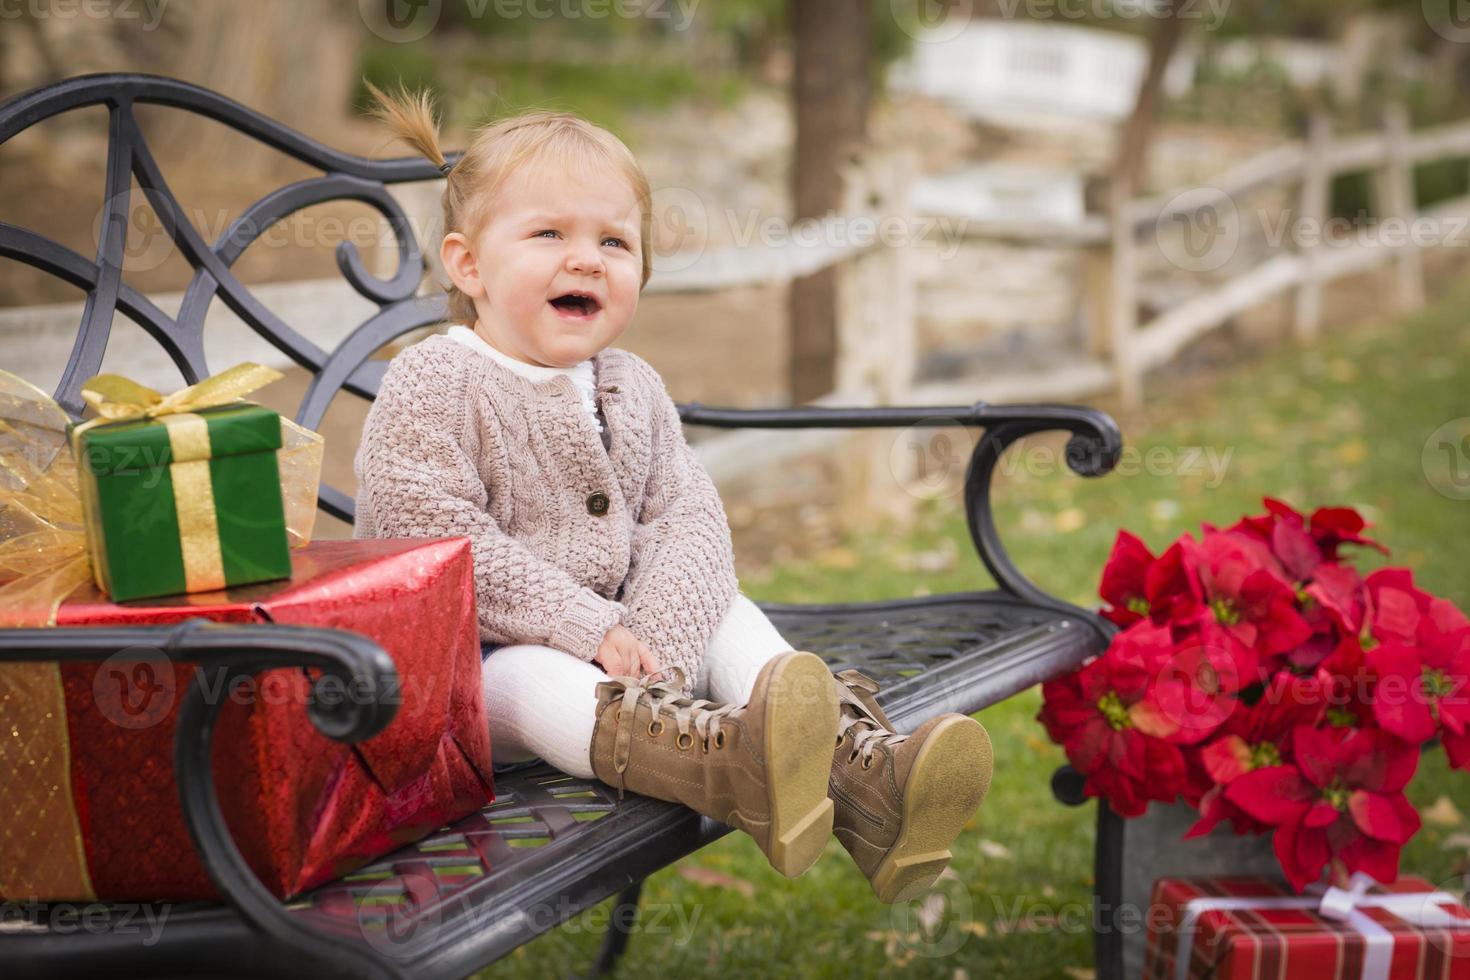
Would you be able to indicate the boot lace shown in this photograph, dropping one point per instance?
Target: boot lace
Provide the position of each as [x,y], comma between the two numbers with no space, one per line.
[687,713]
[867,731]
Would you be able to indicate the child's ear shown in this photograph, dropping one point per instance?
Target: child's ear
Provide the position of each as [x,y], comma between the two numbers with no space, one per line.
[459,263]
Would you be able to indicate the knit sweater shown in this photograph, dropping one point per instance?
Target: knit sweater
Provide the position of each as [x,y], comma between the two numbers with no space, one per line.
[569,538]
[583,373]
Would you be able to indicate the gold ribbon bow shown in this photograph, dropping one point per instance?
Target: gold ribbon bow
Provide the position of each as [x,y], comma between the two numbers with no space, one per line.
[117,398]
[43,538]
[43,559]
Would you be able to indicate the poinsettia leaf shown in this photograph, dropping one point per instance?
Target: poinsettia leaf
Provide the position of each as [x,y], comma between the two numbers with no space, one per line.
[1271,794]
[1211,812]
[1295,549]
[1226,758]
[1301,851]
[1322,814]
[1374,857]
[1387,817]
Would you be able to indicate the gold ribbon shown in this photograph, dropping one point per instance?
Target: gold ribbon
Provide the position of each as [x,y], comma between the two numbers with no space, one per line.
[43,555]
[117,399]
[44,558]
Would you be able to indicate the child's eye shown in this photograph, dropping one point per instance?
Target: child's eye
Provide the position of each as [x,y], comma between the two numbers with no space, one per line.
[544,231]
[616,241]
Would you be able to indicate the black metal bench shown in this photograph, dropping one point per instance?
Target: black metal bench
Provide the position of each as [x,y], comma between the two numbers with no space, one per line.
[551,845]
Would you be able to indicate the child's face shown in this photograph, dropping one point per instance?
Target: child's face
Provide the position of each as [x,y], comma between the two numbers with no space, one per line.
[552,233]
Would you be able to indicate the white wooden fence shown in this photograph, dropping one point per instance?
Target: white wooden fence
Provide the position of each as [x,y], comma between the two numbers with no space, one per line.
[877,336]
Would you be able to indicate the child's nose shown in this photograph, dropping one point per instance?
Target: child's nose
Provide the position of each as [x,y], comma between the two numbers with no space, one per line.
[584,259]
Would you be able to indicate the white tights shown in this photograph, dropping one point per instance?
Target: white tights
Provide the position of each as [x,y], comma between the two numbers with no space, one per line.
[542,702]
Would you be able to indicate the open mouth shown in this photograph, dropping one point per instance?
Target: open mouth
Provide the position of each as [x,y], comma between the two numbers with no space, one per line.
[576,304]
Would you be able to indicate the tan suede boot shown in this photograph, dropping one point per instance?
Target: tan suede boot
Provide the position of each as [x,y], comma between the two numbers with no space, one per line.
[761,767]
[903,799]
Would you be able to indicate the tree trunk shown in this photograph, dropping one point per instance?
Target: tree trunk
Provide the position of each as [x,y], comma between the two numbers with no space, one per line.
[831,87]
[1132,154]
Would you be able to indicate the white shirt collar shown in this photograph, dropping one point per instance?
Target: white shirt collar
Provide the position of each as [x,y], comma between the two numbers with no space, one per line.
[536,372]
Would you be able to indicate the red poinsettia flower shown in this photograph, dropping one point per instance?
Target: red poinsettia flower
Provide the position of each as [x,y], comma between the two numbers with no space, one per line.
[1194,690]
[1340,800]
[1090,713]
[1247,592]
[1253,737]
[1398,609]
[1351,683]
[1335,526]
[1338,591]
[1301,543]
[1423,690]
[1138,586]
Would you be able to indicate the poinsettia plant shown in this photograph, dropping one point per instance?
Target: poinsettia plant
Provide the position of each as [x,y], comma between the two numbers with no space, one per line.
[1263,679]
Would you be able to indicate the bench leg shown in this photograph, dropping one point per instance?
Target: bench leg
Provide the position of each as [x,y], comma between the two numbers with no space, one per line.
[624,913]
[1108,893]
[1107,874]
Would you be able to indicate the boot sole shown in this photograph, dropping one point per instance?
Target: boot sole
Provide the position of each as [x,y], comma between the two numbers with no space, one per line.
[941,795]
[797,724]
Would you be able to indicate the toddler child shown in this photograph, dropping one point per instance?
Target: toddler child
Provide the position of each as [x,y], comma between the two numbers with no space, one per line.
[617,644]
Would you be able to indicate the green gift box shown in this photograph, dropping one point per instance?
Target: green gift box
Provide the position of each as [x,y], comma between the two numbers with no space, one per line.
[184,502]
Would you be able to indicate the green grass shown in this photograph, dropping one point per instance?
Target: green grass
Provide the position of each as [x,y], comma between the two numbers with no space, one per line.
[605,93]
[1342,423]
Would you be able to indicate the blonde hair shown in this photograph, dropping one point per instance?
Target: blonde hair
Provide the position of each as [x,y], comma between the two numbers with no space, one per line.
[496,151]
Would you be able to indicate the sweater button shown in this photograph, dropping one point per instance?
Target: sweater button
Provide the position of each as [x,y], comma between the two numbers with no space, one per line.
[597,503]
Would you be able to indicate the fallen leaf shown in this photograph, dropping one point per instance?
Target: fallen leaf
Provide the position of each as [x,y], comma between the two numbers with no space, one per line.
[994,849]
[1443,813]
[843,558]
[711,878]
[1352,452]
[1163,510]
[1069,520]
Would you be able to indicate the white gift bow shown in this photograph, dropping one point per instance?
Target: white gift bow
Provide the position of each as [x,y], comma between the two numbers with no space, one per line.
[1421,909]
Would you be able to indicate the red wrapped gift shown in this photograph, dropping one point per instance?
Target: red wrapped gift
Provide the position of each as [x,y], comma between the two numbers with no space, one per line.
[303,809]
[1246,928]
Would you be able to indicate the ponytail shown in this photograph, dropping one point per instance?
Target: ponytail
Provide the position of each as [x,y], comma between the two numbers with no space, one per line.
[410,117]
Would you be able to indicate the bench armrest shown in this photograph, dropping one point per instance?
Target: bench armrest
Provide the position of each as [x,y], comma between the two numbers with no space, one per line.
[355,696]
[1093,450]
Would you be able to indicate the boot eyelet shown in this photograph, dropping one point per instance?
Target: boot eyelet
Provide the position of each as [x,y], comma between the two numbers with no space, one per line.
[868,762]
[683,744]
[853,758]
[659,730]
[840,739]
[719,740]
